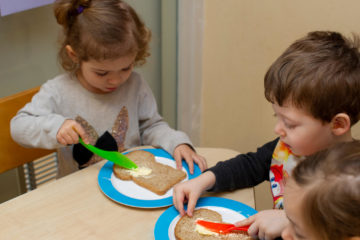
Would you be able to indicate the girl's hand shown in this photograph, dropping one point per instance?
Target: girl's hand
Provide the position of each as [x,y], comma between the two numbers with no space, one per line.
[267,224]
[184,151]
[190,191]
[69,133]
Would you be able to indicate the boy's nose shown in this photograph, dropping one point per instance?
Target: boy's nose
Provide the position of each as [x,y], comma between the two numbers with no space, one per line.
[279,130]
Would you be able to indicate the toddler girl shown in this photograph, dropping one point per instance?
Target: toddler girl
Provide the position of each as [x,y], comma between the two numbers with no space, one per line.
[99,98]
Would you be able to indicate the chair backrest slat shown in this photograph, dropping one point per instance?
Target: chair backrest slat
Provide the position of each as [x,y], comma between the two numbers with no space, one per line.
[13,155]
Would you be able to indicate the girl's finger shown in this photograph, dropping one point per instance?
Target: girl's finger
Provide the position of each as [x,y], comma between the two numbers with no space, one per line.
[61,140]
[200,161]
[80,132]
[74,137]
[177,158]
[189,161]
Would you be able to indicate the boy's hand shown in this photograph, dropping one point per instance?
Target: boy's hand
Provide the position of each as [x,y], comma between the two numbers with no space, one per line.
[267,224]
[190,191]
[183,151]
[69,133]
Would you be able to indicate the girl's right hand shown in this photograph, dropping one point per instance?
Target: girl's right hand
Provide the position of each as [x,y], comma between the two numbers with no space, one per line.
[190,191]
[69,133]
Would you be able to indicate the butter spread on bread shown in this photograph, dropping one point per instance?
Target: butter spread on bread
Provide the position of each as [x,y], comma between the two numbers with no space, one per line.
[161,178]
[140,171]
[203,230]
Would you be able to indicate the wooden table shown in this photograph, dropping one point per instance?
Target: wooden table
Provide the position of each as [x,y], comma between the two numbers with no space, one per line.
[74,207]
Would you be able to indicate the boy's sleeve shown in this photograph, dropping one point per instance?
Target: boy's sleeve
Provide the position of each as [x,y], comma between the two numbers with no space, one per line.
[153,129]
[244,170]
[36,124]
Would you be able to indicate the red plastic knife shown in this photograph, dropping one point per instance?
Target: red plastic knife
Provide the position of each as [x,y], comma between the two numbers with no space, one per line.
[222,228]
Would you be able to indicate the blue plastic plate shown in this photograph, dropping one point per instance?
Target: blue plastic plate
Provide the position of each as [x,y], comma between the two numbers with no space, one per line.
[130,194]
[231,211]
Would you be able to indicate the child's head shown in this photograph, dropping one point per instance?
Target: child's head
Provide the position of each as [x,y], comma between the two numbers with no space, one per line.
[319,77]
[322,198]
[100,30]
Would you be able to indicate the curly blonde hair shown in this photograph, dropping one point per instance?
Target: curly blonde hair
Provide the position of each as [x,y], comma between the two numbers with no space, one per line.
[99,30]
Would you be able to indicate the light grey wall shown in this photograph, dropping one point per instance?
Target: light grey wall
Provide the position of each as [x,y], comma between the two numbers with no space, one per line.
[160,70]
[150,13]
[28,48]
[169,54]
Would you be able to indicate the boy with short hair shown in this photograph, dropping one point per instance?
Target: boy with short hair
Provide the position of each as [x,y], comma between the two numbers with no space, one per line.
[314,88]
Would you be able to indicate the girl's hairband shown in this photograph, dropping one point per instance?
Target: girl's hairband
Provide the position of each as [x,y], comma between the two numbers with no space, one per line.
[80,9]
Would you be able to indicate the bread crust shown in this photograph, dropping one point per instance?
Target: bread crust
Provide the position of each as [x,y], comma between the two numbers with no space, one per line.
[161,178]
[185,227]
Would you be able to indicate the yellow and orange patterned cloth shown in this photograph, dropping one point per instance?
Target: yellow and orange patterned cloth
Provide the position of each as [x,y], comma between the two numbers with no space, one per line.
[282,163]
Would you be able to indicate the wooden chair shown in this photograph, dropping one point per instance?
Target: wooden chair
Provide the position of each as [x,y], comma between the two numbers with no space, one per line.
[12,155]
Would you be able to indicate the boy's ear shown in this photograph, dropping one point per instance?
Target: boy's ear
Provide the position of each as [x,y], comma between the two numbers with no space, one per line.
[71,53]
[340,124]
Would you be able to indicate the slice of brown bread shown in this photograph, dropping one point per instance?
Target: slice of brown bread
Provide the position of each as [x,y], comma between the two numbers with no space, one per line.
[161,178]
[185,227]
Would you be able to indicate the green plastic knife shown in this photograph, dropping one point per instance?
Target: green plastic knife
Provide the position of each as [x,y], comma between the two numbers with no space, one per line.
[113,156]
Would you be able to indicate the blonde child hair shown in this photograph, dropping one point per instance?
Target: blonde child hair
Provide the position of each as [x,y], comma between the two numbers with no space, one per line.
[99,30]
[331,183]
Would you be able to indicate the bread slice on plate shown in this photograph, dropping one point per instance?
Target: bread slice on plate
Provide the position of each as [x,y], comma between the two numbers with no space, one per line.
[185,228]
[157,177]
